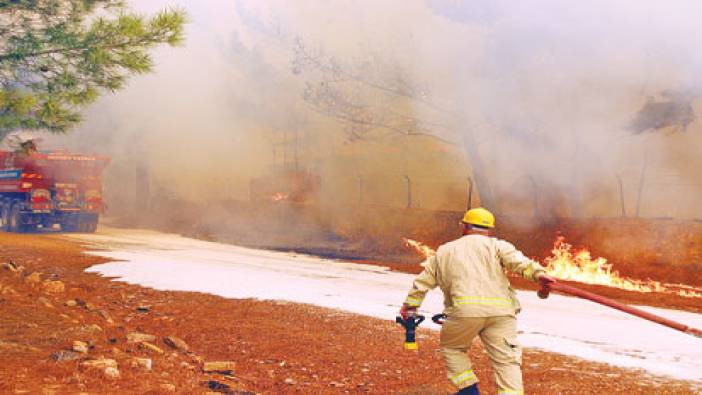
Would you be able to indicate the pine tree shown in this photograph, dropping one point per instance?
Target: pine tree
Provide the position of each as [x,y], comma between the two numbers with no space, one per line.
[57,56]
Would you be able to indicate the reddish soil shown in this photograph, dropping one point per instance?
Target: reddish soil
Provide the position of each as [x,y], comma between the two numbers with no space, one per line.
[277,347]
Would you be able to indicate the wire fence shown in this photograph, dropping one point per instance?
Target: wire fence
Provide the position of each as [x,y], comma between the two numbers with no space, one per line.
[525,195]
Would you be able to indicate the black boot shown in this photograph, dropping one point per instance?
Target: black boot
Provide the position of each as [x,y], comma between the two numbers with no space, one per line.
[472,390]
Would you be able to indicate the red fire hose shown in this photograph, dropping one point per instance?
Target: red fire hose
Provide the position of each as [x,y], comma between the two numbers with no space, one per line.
[547,287]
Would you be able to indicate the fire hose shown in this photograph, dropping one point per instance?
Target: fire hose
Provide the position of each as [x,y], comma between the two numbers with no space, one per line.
[412,322]
[548,286]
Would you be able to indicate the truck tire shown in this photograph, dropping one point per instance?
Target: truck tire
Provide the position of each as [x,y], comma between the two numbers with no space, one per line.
[91,227]
[87,227]
[15,223]
[4,217]
[19,225]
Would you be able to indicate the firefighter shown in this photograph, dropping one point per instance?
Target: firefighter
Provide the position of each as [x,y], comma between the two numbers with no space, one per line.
[478,301]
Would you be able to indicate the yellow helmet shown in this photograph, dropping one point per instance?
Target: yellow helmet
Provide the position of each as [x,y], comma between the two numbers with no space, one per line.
[479,217]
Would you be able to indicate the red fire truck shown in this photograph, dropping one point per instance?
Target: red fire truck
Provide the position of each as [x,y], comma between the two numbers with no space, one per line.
[39,190]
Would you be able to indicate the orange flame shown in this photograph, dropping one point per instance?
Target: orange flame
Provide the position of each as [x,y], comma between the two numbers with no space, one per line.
[421,248]
[280,196]
[565,263]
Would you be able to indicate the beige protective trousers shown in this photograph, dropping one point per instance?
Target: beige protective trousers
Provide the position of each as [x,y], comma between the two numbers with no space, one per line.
[499,336]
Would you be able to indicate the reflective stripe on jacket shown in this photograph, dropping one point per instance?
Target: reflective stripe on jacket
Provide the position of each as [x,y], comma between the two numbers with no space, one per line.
[471,273]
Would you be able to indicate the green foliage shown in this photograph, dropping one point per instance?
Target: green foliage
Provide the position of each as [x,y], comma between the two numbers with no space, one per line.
[56,56]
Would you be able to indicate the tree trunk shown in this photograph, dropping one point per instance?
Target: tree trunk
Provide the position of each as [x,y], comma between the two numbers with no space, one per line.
[482,181]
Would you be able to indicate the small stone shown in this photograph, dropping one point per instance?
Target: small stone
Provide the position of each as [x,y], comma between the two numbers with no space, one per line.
[136,337]
[219,388]
[143,363]
[168,387]
[54,286]
[45,302]
[290,381]
[79,346]
[150,347]
[106,316]
[34,278]
[71,303]
[92,328]
[176,343]
[101,363]
[143,309]
[219,367]
[64,355]
[111,373]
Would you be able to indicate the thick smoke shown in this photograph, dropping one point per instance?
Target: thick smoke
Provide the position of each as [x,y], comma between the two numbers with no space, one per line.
[547,94]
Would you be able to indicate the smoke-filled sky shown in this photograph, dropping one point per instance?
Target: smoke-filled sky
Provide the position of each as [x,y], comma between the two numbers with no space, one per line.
[546,90]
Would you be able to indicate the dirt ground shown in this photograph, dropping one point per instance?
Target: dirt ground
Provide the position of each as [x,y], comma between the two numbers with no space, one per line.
[273,347]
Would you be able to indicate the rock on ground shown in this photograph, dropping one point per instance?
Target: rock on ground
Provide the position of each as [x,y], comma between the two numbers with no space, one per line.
[219,366]
[80,346]
[176,343]
[135,337]
[101,363]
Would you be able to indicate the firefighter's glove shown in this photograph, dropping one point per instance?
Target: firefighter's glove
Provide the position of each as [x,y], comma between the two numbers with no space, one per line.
[545,282]
[407,311]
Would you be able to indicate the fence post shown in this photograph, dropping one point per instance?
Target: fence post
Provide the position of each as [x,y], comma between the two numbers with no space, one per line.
[621,195]
[642,181]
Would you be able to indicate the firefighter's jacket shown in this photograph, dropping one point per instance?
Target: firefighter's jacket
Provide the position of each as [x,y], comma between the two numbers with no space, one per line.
[471,273]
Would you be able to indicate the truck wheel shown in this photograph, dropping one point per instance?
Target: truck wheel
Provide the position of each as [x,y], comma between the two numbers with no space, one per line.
[87,227]
[4,218]
[14,223]
[91,227]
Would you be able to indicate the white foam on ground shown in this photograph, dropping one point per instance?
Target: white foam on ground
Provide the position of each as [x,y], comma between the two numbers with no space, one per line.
[559,324]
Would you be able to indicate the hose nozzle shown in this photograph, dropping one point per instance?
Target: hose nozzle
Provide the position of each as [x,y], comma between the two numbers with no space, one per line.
[410,324]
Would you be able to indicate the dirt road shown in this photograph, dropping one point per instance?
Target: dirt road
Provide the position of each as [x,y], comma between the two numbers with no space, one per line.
[275,346]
